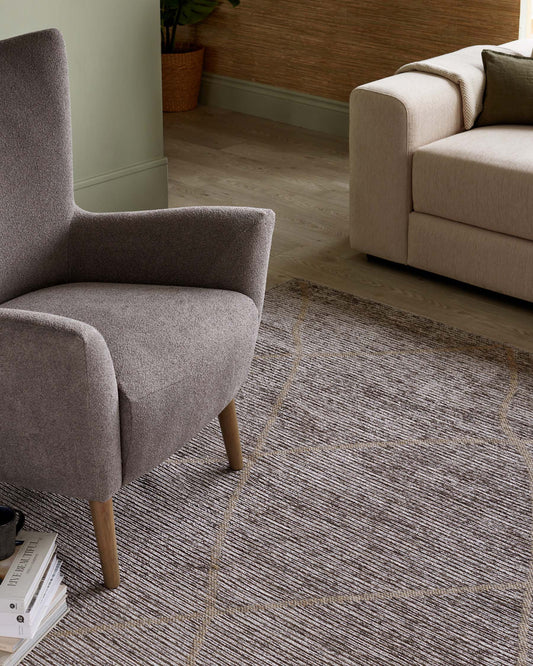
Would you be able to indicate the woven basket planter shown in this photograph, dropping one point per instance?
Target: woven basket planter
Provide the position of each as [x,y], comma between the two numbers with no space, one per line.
[182,76]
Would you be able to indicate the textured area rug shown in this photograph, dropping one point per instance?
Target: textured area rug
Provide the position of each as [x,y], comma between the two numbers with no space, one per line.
[383,516]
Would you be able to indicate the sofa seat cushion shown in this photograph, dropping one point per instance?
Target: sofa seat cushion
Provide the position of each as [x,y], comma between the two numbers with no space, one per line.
[483,177]
[180,355]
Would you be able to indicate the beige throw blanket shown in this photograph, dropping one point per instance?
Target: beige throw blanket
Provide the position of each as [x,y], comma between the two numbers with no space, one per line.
[464,67]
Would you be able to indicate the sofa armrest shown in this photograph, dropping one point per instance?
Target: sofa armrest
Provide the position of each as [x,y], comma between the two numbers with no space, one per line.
[59,417]
[220,248]
[389,120]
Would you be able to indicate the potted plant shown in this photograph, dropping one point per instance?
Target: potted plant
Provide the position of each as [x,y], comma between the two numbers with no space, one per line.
[182,63]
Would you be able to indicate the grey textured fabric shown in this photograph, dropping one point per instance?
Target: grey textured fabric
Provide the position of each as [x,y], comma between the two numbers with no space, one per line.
[59,425]
[99,383]
[223,248]
[383,517]
[36,200]
[483,177]
[180,355]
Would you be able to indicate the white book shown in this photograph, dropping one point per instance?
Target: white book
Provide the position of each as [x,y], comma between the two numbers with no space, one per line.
[21,574]
[51,570]
[13,644]
[7,618]
[25,625]
[20,648]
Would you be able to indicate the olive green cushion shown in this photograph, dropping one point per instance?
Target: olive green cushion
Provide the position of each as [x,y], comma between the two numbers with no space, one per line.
[508,98]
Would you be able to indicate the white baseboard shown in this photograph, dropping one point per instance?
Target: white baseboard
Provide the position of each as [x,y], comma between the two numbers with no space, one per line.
[286,106]
[137,187]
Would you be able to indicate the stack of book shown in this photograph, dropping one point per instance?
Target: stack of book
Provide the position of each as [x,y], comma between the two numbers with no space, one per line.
[32,596]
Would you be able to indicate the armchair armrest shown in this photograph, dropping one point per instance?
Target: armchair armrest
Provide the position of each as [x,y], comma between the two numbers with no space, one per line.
[59,418]
[222,248]
[389,120]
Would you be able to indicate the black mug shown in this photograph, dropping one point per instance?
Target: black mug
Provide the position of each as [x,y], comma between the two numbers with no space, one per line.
[11,522]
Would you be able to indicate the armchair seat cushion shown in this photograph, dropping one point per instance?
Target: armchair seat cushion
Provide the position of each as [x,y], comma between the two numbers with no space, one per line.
[180,354]
[483,177]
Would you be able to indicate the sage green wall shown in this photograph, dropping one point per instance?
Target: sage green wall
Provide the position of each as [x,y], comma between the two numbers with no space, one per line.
[115,79]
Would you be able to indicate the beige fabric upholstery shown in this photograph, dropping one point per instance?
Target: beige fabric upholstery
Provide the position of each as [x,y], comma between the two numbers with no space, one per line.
[463,67]
[483,177]
[523,46]
[483,258]
[477,185]
[389,120]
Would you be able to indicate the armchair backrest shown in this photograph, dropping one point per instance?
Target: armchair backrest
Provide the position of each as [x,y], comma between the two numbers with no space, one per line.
[36,193]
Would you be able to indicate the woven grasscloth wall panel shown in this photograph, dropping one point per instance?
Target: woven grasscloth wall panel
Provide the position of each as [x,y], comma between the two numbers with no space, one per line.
[327,48]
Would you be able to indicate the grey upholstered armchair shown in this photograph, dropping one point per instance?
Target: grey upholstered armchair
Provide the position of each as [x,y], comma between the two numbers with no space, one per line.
[121,334]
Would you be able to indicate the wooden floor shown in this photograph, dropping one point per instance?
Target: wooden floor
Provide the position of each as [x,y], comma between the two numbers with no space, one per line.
[219,157]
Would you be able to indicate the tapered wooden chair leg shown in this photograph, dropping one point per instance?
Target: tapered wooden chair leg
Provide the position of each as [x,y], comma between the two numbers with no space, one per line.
[230,433]
[104,529]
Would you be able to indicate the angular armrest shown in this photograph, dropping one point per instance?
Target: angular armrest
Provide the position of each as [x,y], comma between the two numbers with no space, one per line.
[59,418]
[222,248]
[389,120]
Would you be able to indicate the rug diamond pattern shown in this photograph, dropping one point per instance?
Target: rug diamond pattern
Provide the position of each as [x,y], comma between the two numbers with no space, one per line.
[383,516]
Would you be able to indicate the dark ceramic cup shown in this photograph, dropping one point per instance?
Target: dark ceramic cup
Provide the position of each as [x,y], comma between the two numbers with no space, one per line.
[11,522]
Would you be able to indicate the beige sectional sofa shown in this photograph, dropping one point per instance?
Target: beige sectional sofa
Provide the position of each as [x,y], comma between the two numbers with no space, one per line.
[427,193]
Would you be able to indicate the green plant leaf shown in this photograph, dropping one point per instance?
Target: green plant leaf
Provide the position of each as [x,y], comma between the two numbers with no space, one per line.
[194,11]
[185,12]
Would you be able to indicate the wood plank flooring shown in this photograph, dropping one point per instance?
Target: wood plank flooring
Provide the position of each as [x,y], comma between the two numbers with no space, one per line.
[218,157]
